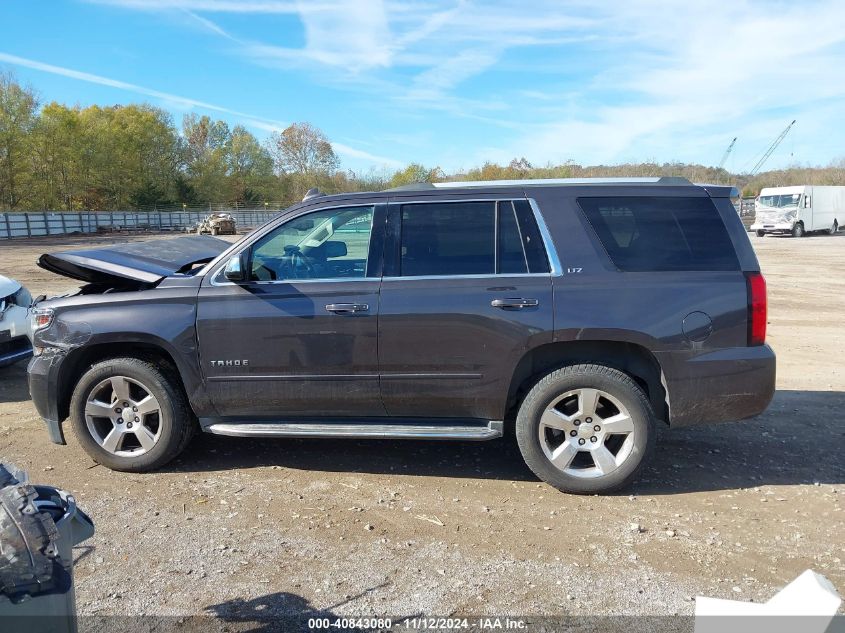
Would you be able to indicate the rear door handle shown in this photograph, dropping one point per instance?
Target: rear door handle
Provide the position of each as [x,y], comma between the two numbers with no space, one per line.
[342,308]
[514,303]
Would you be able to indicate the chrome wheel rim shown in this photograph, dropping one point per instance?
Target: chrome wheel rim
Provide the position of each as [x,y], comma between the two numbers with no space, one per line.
[123,416]
[586,433]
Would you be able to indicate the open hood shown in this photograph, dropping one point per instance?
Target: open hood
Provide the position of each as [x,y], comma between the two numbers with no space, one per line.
[143,262]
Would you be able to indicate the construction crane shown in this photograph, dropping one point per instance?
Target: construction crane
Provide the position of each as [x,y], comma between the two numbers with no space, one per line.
[771,149]
[727,153]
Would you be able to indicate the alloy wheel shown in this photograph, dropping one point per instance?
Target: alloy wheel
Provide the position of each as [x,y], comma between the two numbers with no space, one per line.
[123,416]
[586,433]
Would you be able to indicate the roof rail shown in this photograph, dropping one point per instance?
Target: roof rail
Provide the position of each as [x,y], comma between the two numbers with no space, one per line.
[663,180]
[537,182]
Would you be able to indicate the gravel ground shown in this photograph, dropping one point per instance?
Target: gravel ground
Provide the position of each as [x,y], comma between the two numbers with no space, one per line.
[240,528]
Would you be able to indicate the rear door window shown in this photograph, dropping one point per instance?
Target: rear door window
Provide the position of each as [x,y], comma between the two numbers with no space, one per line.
[470,238]
[452,238]
[661,234]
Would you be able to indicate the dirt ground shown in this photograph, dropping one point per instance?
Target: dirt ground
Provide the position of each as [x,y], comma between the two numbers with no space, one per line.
[240,528]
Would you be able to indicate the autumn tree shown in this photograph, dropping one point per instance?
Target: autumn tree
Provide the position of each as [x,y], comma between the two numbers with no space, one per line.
[414,173]
[302,149]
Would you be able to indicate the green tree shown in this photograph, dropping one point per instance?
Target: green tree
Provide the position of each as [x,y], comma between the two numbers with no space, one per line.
[18,107]
[249,167]
[56,152]
[204,144]
[128,153]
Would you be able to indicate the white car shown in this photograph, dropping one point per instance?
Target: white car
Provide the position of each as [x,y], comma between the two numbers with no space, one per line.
[14,322]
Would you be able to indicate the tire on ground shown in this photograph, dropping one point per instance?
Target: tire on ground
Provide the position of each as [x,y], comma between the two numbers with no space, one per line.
[175,415]
[613,382]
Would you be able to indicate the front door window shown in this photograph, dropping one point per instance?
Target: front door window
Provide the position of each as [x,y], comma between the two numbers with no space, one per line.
[327,244]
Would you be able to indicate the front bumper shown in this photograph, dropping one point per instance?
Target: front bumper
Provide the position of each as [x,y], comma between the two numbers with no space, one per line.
[14,350]
[724,385]
[773,227]
[43,372]
[14,334]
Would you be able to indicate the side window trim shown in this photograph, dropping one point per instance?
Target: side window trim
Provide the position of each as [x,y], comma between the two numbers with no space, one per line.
[556,270]
[507,206]
[375,254]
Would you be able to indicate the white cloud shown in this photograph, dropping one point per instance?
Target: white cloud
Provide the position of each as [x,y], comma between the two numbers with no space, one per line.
[183,103]
[115,83]
[688,80]
[349,34]
[214,6]
[636,79]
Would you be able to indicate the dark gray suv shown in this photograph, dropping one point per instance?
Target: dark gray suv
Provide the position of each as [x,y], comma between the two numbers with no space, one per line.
[578,314]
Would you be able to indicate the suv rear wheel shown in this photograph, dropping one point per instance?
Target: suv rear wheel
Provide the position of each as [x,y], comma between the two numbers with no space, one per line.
[130,414]
[586,429]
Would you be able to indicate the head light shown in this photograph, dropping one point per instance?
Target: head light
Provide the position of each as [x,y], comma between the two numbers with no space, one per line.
[41,318]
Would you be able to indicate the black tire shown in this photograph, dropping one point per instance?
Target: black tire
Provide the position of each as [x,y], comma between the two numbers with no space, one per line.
[798,230]
[609,380]
[761,233]
[176,420]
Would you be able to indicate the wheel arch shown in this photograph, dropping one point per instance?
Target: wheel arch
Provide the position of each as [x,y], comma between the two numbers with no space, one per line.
[630,358]
[81,359]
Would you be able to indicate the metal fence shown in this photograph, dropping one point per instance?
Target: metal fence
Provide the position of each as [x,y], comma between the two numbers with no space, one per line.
[45,223]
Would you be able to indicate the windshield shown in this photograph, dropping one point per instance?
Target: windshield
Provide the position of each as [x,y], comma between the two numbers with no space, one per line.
[781,200]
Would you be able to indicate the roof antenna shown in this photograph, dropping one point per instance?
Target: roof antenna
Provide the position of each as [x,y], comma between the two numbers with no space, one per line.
[313,192]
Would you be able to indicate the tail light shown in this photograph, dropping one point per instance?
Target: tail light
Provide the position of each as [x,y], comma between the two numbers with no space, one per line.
[756,285]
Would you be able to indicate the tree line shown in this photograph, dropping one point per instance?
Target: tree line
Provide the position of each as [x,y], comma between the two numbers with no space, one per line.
[59,157]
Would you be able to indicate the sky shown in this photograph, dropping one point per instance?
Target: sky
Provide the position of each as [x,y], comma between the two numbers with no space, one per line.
[455,83]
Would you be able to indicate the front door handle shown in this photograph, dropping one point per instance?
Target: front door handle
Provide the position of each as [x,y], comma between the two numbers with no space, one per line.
[343,308]
[514,303]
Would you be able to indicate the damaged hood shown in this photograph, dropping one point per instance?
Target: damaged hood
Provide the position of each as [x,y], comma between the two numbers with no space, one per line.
[144,262]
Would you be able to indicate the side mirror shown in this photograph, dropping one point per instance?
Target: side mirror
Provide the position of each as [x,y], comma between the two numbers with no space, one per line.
[807,202]
[236,268]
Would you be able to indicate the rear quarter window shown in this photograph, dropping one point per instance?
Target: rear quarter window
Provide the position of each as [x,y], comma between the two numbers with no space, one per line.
[661,234]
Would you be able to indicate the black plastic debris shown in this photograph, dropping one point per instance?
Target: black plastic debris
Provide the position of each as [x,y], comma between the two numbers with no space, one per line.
[39,526]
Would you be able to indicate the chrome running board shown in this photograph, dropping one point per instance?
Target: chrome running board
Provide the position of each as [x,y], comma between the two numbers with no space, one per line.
[417,430]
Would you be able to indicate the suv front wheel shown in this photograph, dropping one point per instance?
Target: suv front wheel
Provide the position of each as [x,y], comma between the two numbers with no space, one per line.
[131,414]
[586,429]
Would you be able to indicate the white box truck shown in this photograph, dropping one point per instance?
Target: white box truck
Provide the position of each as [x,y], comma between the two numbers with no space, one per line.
[799,210]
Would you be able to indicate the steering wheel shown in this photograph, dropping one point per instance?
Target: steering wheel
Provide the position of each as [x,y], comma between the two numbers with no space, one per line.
[298,265]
